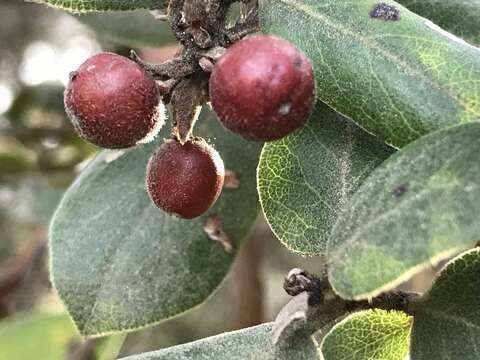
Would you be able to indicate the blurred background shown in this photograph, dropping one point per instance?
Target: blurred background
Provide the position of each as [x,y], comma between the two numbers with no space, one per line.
[40,155]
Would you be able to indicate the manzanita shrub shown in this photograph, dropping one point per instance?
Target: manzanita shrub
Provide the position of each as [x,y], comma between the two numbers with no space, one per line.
[370,115]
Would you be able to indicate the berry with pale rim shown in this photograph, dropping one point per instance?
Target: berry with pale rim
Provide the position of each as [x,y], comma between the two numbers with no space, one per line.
[185,180]
[263,88]
[113,102]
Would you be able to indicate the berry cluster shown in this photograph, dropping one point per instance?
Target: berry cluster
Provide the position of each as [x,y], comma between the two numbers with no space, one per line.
[262,88]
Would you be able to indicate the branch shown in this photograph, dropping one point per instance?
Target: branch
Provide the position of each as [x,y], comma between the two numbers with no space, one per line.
[216,20]
[200,26]
[315,305]
[175,16]
[177,68]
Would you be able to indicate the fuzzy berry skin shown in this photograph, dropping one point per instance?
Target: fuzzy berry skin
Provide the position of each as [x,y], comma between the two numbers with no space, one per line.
[112,102]
[185,180]
[263,88]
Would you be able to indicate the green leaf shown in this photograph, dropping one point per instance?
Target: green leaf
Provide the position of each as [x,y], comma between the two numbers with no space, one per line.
[101,5]
[132,28]
[369,335]
[305,179]
[447,320]
[419,207]
[119,263]
[458,16]
[39,337]
[398,79]
[246,344]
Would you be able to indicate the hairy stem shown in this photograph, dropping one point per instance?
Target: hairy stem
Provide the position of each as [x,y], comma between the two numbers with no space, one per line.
[323,306]
[176,68]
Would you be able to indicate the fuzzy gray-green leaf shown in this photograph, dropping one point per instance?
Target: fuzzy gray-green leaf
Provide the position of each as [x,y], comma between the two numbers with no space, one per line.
[395,73]
[447,320]
[306,178]
[247,344]
[420,206]
[100,5]
[120,263]
[461,17]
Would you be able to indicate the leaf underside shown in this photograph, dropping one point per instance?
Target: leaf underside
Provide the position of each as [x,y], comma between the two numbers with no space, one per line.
[369,335]
[306,178]
[447,321]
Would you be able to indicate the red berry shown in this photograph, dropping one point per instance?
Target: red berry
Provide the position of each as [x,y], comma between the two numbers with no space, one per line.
[112,102]
[263,88]
[185,180]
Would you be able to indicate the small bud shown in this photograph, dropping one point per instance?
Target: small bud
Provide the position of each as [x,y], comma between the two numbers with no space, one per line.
[296,282]
[215,53]
[206,64]
[231,180]
[213,227]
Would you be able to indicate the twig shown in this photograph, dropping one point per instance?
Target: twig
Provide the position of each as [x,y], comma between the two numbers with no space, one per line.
[177,68]
[200,26]
[322,307]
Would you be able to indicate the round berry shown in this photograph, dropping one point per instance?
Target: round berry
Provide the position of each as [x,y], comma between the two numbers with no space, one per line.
[185,180]
[263,88]
[113,102]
